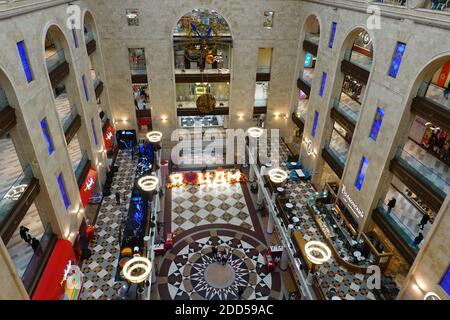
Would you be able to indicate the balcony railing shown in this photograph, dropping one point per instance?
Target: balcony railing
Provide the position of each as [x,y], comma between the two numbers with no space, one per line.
[392,2]
[312,37]
[348,112]
[80,167]
[55,60]
[262,69]
[15,192]
[139,68]
[425,174]
[338,156]
[260,102]
[398,226]
[35,267]
[434,93]
[3,99]
[88,36]
[69,118]
[358,59]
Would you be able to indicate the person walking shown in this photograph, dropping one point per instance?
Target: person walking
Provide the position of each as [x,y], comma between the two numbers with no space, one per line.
[214,252]
[118,198]
[391,204]
[425,218]
[23,231]
[34,244]
[418,239]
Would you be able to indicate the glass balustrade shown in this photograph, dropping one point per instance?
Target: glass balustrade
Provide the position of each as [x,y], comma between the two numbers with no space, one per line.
[426,175]
[54,60]
[358,59]
[69,118]
[262,69]
[3,100]
[337,152]
[80,165]
[434,93]
[397,225]
[312,37]
[346,110]
[88,36]
[97,80]
[15,192]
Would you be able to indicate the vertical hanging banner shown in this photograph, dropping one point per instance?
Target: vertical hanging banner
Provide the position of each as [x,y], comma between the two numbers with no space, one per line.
[444,75]
[108,136]
[88,186]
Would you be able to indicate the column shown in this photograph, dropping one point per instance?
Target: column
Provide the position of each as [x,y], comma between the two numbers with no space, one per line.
[252,174]
[260,196]
[270,223]
[284,259]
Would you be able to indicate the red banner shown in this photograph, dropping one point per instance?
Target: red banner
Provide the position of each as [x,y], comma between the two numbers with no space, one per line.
[88,186]
[108,136]
[444,75]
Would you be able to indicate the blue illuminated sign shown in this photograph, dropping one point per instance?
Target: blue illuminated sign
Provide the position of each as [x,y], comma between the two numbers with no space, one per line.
[316,120]
[361,173]
[397,59]
[377,124]
[332,35]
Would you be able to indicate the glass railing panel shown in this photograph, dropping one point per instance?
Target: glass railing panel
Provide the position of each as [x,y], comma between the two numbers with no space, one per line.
[37,259]
[392,2]
[15,192]
[260,103]
[3,99]
[69,117]
[97,80]
[55,60]
[337,153]
[431,179]
[396,224]
[312,37]
[434,93]
[79,165]
[348,112]
[358,59]
[262,69]
[88,36]
[139,68]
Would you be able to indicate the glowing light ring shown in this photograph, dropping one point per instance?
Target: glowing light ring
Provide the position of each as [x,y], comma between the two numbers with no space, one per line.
[277,175]
[134,264]
[148,183]
[320,249]
[255,132]
[431,296]
[154,136]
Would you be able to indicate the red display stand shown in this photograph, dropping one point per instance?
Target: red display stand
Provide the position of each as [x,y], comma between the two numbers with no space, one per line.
[169,241]
[159,248]
[270,263]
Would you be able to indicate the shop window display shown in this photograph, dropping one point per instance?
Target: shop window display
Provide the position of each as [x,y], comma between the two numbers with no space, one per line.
[353,88]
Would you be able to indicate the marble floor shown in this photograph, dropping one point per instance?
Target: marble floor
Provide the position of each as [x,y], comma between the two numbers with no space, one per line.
[10,168]
[100,269]
[194,206]
[191,272]
[20,251]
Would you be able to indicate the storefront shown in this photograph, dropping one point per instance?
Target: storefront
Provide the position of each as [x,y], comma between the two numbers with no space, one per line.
[62,278]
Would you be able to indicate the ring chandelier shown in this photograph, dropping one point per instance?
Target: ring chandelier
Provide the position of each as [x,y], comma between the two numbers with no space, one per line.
[154,136]
[255,132]
[139,265]
[317,252]
[148,183]
[278,175]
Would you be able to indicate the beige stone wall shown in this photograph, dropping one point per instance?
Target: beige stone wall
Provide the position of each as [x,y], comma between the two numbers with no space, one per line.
[157,19]
[33,101]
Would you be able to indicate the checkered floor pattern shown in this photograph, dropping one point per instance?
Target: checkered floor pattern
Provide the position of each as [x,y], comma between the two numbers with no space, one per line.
[194,206]
[100,269]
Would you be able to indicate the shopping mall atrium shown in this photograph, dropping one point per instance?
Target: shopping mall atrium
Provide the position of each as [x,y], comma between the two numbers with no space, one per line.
[225,150]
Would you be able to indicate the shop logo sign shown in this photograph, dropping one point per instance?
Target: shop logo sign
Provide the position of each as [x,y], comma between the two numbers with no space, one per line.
[73,17]
[349,201]
[374,20]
